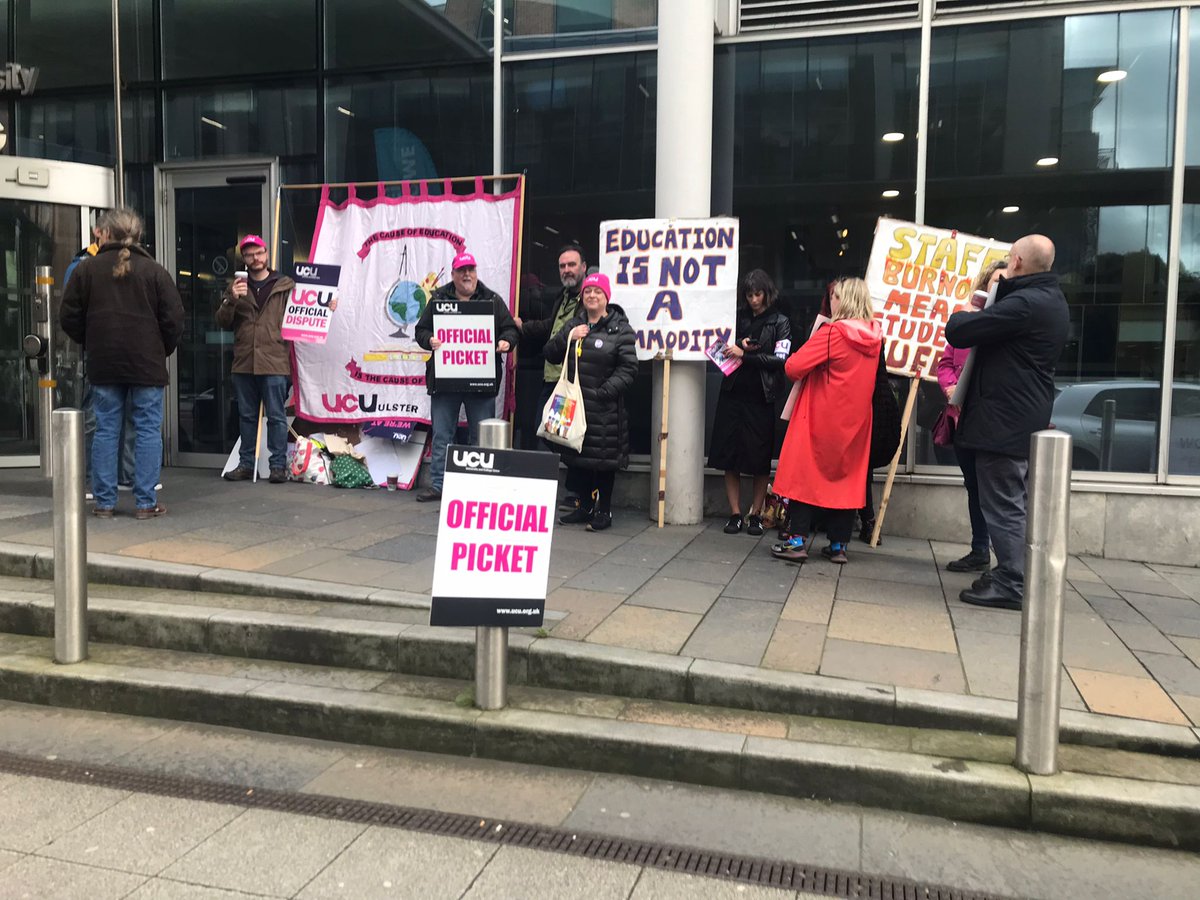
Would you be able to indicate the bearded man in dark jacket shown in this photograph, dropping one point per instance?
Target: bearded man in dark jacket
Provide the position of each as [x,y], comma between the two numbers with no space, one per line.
[1010,395]
[445,404]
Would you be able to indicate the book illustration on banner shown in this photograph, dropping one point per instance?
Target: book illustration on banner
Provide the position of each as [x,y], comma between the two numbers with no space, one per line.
[718,352]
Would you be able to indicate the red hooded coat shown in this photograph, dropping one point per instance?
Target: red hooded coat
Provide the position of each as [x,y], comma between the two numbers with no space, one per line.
[824,456]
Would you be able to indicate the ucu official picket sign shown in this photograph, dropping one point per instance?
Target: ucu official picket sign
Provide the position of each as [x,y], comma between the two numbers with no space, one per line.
[492,562]
[307,314]
[466,358]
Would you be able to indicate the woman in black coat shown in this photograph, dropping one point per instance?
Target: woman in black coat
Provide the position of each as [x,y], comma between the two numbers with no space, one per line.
[603,346]
[743,435]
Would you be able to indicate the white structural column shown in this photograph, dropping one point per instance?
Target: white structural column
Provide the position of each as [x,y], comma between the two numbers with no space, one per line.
[683,182]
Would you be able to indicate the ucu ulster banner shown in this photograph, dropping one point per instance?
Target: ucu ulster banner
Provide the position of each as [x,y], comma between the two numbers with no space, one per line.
[393,252]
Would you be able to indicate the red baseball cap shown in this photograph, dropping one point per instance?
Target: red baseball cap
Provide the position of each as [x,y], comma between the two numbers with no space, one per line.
[252,240]
[463,260]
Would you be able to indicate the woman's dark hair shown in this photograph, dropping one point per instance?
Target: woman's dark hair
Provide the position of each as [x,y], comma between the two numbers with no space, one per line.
[759,282]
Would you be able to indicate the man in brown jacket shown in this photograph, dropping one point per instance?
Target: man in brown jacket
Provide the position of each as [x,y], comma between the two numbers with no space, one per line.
[253,307]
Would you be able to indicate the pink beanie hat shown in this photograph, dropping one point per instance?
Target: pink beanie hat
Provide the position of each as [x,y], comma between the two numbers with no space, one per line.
[600,280]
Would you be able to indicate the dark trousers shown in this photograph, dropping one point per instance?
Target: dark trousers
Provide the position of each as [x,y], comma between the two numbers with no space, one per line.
[1002,499]
[838,522]
[594,488]
[867,513]
[979,530]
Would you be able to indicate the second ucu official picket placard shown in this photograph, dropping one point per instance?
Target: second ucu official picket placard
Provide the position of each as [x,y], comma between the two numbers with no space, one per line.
[493,548]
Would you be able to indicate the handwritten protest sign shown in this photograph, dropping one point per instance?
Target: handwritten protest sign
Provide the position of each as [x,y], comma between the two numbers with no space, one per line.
[466,359]
[307,314]
[492,562]
[676,279]
[918,277]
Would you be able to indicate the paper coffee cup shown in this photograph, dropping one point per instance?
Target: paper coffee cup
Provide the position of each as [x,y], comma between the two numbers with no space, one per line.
[393,481]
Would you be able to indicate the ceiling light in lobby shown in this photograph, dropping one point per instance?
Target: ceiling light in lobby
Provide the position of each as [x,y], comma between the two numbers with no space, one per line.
[889,194]
[1048,161]
[1111,75]
[893,136]
[1011,209]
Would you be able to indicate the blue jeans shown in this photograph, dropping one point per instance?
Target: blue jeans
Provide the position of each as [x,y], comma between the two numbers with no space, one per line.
[271,391]
[444,416]
[125,464]
[145,403]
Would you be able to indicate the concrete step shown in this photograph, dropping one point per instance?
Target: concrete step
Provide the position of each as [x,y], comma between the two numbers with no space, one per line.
[395,640]
[940,773]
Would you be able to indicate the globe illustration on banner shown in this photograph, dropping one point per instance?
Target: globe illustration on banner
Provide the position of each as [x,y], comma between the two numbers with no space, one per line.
[404,305]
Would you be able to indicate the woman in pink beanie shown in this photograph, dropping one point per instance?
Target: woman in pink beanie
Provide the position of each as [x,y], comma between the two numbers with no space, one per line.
[601,345]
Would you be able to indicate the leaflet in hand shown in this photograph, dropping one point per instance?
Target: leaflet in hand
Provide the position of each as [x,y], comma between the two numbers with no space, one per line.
[718,352]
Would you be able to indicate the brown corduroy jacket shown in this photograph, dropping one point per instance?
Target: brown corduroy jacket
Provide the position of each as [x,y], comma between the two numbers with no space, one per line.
[258,344]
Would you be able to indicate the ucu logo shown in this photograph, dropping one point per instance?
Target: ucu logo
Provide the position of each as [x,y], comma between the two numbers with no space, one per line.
[307,271]
[473,459]
[350,403]
[445,307]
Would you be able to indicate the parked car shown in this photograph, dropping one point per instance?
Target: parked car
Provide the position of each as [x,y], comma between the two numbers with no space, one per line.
[1079,411]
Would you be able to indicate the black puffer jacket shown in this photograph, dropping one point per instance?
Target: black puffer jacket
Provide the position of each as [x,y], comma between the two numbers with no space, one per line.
[1018,339]
[128,326]
[773,332]
[607,366]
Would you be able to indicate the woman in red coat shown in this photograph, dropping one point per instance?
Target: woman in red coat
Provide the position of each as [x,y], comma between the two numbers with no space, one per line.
[823,464]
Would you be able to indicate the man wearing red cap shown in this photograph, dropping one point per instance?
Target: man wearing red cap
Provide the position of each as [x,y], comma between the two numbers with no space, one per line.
[444,405]
[253,307]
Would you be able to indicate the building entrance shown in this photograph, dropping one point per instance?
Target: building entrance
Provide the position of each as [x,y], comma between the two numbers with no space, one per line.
[207,209]
[46,214]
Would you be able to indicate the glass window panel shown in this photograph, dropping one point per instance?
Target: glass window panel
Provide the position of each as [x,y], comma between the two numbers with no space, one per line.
[1004,95]
[803,162]
[360,33]
[1183,453]
[427,124]
[204,38]
[584,132]
[61,38]
[543,24]
[266,121]
[79,128]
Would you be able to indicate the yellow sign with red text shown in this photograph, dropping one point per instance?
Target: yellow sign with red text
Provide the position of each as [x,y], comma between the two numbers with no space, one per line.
[918,277]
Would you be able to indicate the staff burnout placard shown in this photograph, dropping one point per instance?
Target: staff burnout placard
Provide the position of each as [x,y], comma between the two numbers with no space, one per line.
[918,277]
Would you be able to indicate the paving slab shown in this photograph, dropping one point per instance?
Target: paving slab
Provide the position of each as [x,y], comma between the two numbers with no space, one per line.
[533,794]
[1127,696]
[734,630]
[517,871]
[642,628]
[871,623]
[885,664]
[795,647]
[167,889]
[35,876]
[142,833]
[265,853]
[681,595]
[656,884]
[387,863]
[35,811]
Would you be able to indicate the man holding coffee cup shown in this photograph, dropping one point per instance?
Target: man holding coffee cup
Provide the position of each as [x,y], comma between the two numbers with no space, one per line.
[253,306]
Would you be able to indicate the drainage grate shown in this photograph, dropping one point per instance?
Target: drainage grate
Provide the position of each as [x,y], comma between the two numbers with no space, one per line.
[746,869]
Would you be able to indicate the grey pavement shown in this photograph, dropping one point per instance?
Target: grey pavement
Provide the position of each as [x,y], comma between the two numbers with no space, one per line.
[1132,637]
[66,840]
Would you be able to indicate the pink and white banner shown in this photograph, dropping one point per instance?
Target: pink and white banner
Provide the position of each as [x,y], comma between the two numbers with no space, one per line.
[393,253]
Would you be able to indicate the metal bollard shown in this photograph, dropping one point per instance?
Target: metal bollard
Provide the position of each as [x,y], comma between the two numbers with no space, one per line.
[491,642]
[70,539]
[1048,516]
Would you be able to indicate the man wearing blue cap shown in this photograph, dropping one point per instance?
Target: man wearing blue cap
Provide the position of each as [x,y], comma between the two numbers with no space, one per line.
[253,307]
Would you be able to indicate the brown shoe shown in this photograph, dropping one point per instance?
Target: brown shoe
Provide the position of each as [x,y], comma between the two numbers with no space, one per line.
[429,494]
[241,473]
[278,476]
[152,512]
[103,513]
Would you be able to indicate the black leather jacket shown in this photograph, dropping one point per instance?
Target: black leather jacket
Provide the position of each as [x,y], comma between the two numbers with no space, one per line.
[773,332]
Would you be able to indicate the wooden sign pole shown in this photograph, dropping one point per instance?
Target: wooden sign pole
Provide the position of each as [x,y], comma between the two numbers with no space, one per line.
[662,438]
[891,475]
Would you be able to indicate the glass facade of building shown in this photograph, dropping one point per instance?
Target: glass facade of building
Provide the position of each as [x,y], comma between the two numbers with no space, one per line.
[1059,120]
